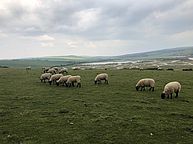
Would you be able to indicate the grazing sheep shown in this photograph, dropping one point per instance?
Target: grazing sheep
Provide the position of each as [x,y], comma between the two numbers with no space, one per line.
[56,68]
[62,80]
[72,80]
[52,71]
[45,76]
[28,68]
[170,88]
[147,82]
[45,69]
[76,68]
[54,78]
[100,77]
[63,70]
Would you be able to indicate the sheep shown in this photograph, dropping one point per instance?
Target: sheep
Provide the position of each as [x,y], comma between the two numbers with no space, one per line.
[63,80]
[28,68]
[170,88]
[147,82]
[56,68]
[72,80]
[76,68]
[45,69]
[100,77]
[54,78]
[52,71]
[45,76]
[62,70]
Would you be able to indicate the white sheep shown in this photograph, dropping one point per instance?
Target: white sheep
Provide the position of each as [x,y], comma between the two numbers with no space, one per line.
[54,78]
[28,68]
[52,71]
[72,80]
[45,76]
[63,70]
[45,69]
[62,80]
[56,68]
[100,77]
[76,68]
[170,88]
[146,82]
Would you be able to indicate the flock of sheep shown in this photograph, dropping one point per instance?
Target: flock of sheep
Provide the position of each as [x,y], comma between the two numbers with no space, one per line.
[55,75]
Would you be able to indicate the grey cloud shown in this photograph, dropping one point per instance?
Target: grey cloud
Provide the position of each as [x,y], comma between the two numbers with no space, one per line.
[116,19]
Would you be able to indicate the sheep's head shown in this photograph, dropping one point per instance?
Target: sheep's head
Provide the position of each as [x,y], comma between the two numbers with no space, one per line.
[137,88]
[95,82]
[163,95]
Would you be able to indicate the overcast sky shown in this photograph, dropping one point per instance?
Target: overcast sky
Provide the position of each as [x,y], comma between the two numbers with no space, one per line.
[34,28]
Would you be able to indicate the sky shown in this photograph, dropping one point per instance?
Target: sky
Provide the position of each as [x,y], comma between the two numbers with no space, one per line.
[36,28]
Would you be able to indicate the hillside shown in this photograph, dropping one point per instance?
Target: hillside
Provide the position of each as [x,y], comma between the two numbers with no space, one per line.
[165,53]
[174,53]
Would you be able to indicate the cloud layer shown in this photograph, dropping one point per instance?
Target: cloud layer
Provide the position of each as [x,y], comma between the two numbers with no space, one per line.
[86,27]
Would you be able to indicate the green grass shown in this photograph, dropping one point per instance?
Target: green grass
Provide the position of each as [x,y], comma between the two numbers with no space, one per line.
[32,112]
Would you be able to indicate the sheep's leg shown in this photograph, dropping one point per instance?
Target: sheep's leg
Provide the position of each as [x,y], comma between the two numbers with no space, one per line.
[79,85]
[168,96]
[152,88]
[141,88]
[144,88]
[176,94]
[72,84]
[171,96]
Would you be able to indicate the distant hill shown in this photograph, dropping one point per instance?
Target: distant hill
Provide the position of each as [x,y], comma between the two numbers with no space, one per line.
[173,53]
[165,53]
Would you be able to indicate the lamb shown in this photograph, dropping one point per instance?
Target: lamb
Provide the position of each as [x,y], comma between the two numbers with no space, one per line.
[147,82]
[72,80]
[52,71]
[63,80]
[100,77]
[54,78]
[63,70]
[170,88]
[45,76]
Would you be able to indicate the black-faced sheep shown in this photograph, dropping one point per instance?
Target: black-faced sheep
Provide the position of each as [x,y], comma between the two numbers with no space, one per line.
[45,69]
[54,78]
[73,80]
[170,88]
[147,82]
[28,68]
[63,70]
[62,80]
[45,76]
[52,71]
[100,77]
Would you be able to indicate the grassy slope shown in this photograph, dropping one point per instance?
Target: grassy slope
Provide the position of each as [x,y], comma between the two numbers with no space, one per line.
[34,112]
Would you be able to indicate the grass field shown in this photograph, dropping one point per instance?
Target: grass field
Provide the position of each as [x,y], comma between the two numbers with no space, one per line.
[35,113]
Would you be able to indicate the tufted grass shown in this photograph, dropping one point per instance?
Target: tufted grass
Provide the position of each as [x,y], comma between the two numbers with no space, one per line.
[32,112]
